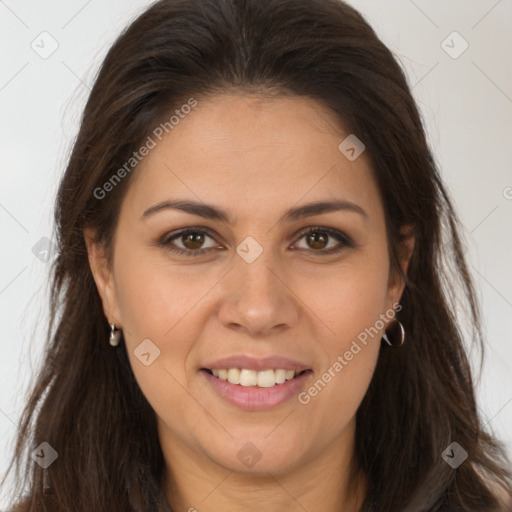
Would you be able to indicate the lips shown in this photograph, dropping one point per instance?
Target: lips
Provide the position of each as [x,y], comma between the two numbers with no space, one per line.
[254,397]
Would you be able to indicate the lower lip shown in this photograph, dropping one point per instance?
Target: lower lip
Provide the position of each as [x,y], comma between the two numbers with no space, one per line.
[253,398]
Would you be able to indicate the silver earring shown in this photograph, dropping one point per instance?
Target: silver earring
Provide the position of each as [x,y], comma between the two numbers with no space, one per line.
[397,333]
[115,335]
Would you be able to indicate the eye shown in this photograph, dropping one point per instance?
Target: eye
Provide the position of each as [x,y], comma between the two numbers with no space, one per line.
[191,239]
[317,240]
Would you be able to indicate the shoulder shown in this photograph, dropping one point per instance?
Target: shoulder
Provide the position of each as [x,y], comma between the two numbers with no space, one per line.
[21,506]
[501,494]
[504,498]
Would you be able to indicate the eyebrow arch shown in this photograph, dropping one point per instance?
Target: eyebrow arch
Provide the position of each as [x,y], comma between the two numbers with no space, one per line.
[212,212]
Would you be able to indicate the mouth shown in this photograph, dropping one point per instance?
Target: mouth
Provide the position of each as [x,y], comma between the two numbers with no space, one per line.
[253,390]
[257,379]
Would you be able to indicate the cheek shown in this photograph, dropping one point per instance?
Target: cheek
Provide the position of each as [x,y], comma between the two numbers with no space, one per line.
[350,304]
[349,358]
[155,297]
[159,303]
[351,297]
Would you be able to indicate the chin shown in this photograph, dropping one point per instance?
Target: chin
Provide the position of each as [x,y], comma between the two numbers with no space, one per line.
[260,455]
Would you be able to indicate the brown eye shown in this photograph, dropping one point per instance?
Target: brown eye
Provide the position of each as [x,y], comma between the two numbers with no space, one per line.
[325,240]
[191,240]
[317,240]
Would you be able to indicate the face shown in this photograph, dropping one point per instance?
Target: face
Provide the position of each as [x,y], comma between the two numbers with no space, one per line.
[260,283]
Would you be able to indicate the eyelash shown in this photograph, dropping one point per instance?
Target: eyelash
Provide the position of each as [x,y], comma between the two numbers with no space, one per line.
[346,241]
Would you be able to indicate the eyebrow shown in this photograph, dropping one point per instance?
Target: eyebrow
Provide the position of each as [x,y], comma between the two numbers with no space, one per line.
[211,212]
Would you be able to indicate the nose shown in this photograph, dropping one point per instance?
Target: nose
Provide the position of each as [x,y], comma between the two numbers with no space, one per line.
[258,300]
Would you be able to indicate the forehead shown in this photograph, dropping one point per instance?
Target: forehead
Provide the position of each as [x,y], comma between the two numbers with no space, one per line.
[244,152]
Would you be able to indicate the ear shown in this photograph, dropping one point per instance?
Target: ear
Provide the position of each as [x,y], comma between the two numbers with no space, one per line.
[103,277]
[396,284]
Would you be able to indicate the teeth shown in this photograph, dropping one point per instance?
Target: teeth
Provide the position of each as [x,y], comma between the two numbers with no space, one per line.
[289,374]
[245,377]
[235,377]
[280,376]
[266,379]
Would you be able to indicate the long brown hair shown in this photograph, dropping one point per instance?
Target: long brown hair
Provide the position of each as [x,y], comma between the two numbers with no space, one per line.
[86,403]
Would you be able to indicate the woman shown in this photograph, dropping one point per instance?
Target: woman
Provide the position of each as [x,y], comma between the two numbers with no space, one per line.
[250,305]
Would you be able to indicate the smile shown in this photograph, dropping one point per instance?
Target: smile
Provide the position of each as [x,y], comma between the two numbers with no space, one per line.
[261,379]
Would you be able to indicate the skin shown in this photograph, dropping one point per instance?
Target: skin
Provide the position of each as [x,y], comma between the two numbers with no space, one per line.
[254,158]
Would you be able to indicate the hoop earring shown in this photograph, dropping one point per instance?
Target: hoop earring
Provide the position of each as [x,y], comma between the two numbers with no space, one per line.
[397,333]
[115,336]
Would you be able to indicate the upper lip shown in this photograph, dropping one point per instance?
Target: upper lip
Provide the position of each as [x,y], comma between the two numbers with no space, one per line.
[257,364]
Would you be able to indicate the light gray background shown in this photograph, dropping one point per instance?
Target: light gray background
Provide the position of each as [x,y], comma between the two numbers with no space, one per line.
[466,103]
